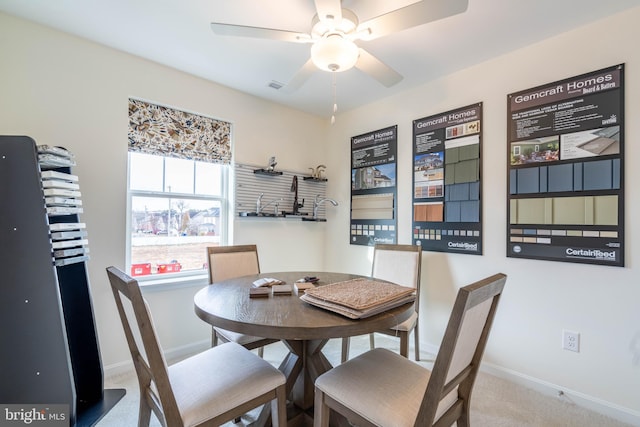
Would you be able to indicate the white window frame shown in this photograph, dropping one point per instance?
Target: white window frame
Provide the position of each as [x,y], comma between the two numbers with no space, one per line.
[190,277]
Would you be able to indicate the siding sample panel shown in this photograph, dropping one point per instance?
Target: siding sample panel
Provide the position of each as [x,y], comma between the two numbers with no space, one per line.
[530,211]
[474,190]
[452,210]
[569,210]
[528,180]
[435,212]
[450,174]
[577,177]
[420,213]
[372,214]
[451,155]
[616,174]
[513,212]
[513,181]
[598,175]
[561,178]
[470,211]
[458,192]
[606,210]
[544,181]
[469,152]
[466,171]
[376,201]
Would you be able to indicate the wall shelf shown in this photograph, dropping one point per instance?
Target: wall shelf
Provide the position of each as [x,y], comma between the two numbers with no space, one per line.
[278,189]
[267,172]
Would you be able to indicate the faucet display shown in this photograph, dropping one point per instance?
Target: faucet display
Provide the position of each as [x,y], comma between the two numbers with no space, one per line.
[296,204]
[260,207]
[259,203]
[318,201]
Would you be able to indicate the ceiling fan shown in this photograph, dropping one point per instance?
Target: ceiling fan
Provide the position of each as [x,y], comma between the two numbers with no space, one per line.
[334,31]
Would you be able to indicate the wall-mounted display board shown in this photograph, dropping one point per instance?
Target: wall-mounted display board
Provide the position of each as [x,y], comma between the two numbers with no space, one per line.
[373,187]
[565,173]
[282,194]
[447,213]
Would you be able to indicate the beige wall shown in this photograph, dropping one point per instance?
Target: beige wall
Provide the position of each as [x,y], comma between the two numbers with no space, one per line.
[64,91]
[541,298]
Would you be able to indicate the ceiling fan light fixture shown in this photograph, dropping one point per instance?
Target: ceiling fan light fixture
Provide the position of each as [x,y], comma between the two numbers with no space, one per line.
[334,53]
[346,25]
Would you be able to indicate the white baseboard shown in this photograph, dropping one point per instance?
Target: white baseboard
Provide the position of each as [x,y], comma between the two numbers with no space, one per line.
[546,388]
[583,400]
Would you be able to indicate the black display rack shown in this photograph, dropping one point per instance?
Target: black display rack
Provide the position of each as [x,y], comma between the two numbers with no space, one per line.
[50,352]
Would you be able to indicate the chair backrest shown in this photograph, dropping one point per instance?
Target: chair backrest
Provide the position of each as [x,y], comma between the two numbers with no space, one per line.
[399,264]
[148,359]
[460,353]
[227,262]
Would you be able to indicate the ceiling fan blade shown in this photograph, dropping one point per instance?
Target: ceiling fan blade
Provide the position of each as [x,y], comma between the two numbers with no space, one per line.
[259,33]
[300,77]
[410,16]
[329,10]
[377,69]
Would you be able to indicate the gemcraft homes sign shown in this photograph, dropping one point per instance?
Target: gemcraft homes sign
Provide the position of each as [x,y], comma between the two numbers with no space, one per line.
[447,170]
[565,158]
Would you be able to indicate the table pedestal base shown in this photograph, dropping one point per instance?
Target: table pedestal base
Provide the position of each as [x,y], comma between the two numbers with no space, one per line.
[302,365]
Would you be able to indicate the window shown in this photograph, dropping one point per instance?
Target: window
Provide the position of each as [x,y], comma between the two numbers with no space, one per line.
[177,209]
[177,190]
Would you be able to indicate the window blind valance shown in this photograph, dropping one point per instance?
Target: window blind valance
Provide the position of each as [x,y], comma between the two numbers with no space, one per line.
[154,129]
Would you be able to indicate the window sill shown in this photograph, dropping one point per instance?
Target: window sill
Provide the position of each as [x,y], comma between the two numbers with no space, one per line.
[170,282]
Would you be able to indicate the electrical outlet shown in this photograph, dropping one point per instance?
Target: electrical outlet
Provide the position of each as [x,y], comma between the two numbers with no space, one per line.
[571,340]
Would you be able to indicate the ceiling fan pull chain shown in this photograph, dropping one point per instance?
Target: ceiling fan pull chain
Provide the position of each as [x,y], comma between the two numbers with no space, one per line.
[335,102]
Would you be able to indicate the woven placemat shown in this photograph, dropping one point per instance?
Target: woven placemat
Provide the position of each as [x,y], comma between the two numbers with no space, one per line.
[360,294]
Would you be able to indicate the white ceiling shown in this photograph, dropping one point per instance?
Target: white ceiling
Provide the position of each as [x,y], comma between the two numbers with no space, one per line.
[176,33]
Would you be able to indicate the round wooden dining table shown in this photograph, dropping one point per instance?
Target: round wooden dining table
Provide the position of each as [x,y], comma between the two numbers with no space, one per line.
[303,328]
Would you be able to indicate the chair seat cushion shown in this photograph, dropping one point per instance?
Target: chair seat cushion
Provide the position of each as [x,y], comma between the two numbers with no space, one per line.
[390,387]
[242,339]
[230,375]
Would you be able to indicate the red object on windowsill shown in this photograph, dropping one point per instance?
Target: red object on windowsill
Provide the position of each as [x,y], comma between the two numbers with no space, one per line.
[169,268]
[141,269]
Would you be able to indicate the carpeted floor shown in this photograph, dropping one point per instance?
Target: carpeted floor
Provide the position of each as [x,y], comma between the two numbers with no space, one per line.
[495,402]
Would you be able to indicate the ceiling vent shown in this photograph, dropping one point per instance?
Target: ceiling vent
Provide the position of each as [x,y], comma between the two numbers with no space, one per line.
[275,85]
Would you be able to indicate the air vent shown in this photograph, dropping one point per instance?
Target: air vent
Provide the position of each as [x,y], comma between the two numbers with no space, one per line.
[275,85]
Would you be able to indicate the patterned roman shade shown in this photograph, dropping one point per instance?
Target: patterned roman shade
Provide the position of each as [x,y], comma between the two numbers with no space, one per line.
[154,129]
